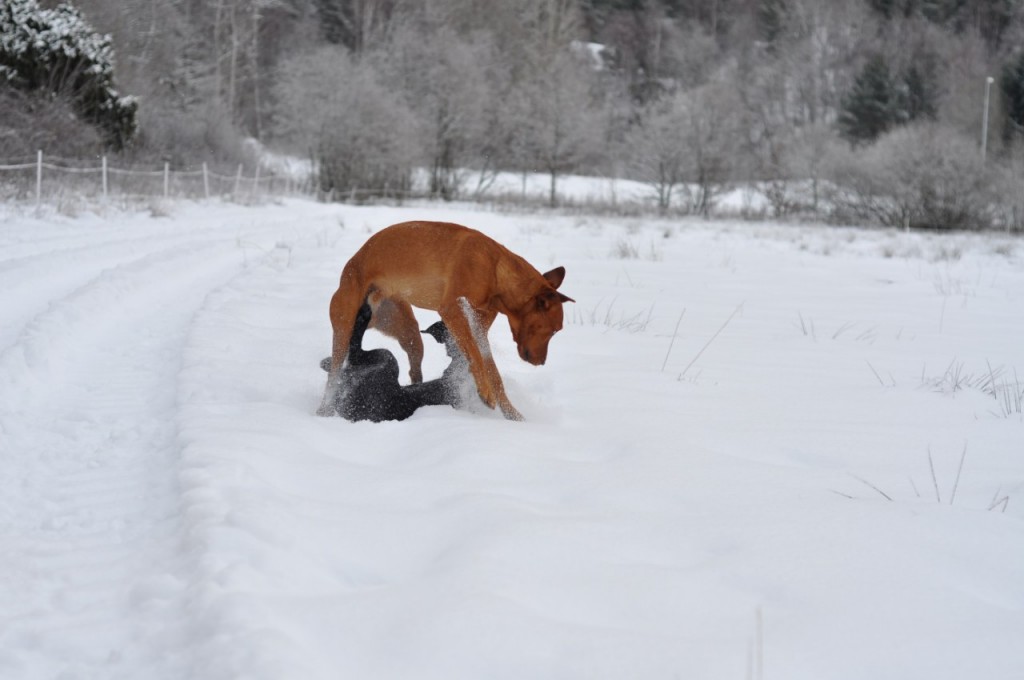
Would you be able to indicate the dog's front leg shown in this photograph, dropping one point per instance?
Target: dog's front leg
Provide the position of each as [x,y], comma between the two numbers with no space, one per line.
[470,334]
[507,409]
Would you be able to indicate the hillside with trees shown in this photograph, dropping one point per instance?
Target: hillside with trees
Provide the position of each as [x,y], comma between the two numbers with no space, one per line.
[874,107]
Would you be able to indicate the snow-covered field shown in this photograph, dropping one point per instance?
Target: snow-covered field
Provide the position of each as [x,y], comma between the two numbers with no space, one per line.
[756,451]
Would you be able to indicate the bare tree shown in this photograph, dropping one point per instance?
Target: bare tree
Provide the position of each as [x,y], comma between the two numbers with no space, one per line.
[564,128]
[712,132]
[658,147]
[361,133]
[561,127]
[444,83]
[355,24]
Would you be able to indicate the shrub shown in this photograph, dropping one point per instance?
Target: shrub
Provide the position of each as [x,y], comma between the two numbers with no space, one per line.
[180,137]
[34,121]
[56,51]
[924,176]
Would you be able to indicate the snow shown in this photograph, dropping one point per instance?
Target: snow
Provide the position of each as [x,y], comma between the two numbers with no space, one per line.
[708,443]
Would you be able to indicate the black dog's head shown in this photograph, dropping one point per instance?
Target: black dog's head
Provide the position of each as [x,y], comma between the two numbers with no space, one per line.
[439,332]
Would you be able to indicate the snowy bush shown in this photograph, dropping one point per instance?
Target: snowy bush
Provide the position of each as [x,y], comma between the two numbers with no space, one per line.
[362,136]
[922,176]
[56,51]
[35,120]
[180,137]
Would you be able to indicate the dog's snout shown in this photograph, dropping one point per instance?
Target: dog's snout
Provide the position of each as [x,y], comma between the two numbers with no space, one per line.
[533,357]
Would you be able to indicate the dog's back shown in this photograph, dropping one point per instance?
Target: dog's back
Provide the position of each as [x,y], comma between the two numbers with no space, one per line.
[405,262]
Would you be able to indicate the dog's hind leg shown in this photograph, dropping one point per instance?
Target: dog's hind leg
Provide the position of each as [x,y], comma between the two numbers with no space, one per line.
[395,318]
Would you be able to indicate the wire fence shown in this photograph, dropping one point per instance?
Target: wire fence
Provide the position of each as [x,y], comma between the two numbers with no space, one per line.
[41,179]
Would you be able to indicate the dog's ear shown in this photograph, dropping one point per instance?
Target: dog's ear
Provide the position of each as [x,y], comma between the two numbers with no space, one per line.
[555,276]
[550,297]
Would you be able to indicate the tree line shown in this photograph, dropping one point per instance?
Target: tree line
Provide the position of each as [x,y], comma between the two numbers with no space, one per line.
[874,105]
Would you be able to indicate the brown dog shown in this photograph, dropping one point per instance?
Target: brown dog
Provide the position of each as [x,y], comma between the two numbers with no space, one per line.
[468,278]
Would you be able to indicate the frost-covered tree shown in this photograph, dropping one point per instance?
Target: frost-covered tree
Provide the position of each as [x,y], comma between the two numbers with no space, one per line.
[712,134]
[56,51]
[919,176]
[658,148]
[687,144]
[444,84]
[562,126]
[361,134]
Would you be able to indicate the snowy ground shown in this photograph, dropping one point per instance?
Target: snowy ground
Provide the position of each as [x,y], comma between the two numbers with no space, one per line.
[171,508]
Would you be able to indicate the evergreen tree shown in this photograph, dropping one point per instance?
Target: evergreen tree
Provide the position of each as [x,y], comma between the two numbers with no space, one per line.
[869,109]
[56,51]
[771,21]
[919,97]
[1012,85]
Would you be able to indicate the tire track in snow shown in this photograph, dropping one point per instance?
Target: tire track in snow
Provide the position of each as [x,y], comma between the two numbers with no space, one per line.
[45,272]
[88,493]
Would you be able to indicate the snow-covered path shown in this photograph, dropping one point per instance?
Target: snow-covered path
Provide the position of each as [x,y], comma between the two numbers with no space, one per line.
[94,323]
[171,508]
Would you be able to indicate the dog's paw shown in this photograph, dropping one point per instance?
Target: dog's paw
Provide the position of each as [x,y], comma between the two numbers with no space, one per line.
[325,364]
[510,412]
[487,396]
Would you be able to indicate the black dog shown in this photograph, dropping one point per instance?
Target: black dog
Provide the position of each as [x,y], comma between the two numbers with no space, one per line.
[369,388]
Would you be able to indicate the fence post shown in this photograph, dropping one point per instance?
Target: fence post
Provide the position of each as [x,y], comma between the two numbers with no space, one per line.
[39,178]
[167,179]
[238,179]
[256,182]
[206,181]
[104,178]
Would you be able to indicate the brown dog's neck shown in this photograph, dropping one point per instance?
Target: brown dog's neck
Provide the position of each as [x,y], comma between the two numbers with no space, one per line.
[518,283]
